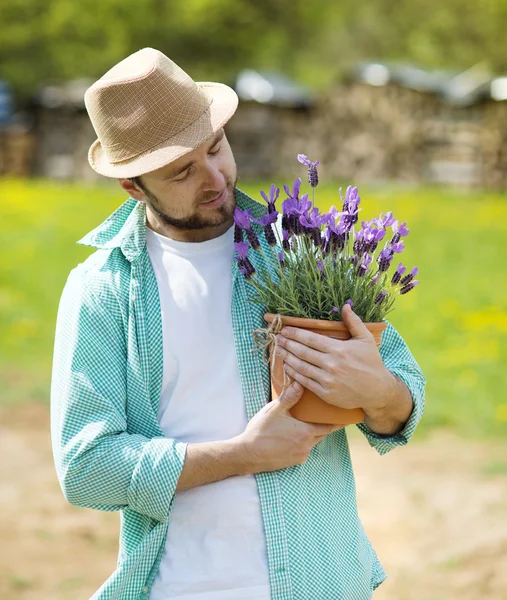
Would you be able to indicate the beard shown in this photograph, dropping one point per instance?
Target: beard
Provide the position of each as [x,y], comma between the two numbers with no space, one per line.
[219,216]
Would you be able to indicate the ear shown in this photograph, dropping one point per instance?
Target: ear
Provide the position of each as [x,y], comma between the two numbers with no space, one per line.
[132,190]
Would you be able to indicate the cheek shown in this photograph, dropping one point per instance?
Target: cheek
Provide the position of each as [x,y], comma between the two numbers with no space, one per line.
[227,164]
[178,200]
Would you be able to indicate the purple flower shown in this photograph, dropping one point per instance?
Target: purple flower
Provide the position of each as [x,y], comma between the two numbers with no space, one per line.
[285,240]
[363,267]
[253,239]
[401,229]
[375,279]
[292,209]
[312,218]
[352,199]
[245,266]
[296,206]
[384,259]
[295,189]
[400,269]
[313,176]
[270,235]
[273,197]
[350,303]
[244,270]
[311,222]
[398,247]
[380,298]
[350,211]
[241,249]
[281,259]
[331,215]
[238,234]
[409,287]
[370,236]
[336,236]
[320,267]
[243,219]
[335,310]
[408,278]
[266,220]
[385,220]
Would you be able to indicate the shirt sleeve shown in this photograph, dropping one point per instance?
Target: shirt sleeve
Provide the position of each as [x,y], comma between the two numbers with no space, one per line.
[399,360]
[100,464]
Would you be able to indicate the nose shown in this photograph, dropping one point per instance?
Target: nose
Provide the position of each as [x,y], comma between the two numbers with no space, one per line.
[214,179]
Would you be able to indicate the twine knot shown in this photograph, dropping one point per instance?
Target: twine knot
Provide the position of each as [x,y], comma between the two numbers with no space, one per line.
[266,342]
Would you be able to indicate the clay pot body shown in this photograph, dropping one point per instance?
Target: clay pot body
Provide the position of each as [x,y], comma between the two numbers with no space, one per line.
[311,408]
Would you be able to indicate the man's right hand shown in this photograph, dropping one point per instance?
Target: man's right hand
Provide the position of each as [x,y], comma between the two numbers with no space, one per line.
[273,439]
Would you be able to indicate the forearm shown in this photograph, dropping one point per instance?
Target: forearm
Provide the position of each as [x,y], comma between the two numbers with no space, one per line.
[207,462]
[393,410]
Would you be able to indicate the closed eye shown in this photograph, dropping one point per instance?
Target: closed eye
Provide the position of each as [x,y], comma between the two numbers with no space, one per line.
[185,174]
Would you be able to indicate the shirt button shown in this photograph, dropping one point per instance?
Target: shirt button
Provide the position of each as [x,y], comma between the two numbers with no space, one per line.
[145,589]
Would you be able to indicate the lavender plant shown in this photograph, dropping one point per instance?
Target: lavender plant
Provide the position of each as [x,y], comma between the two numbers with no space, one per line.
[322,260]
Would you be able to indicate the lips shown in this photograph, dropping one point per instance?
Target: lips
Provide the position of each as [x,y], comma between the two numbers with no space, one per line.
[215,198]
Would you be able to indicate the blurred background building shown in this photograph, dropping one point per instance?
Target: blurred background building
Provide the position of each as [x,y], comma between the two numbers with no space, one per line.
[382,122]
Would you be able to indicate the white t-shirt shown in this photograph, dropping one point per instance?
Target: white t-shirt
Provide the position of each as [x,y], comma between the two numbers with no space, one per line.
[215,547]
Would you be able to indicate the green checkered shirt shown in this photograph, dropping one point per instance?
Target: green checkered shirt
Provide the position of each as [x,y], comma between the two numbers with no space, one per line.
[111,454]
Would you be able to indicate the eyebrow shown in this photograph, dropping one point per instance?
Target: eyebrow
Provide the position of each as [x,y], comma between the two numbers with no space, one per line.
[214,142]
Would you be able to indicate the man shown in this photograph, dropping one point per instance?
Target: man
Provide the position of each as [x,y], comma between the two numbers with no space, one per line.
[159,406]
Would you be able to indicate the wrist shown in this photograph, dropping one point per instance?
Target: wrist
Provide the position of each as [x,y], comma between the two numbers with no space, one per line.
[390,412]
[241,455]
[383,399]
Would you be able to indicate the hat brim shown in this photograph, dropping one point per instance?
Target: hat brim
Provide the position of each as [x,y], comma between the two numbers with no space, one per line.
[223,106]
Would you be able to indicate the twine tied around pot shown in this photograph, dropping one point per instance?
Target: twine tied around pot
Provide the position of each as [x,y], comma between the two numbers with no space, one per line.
[265,341]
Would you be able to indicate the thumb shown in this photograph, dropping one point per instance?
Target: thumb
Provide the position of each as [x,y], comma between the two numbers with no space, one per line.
[354,324]
[291,395]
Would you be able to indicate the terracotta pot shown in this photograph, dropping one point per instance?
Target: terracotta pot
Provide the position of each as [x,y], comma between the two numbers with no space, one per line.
[311,408]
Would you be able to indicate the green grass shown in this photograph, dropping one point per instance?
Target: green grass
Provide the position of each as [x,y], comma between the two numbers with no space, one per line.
[455,321]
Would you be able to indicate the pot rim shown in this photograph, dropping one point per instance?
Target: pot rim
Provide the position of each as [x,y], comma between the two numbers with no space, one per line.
[322,324]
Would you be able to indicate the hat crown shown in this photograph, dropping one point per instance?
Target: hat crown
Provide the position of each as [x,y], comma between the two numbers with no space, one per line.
[142,101]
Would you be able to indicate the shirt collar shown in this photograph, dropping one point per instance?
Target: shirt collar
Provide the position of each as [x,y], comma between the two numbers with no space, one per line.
[126,227]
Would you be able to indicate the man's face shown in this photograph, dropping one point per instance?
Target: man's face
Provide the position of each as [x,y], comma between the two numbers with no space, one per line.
[191,199]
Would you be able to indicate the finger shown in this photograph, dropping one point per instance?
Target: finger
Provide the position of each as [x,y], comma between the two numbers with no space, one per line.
[308,338]
[356,327]
[309,384]
[290,396]
[319,439]
[338,428]
[328,429]
[318,429]
[308,370]
[315,357]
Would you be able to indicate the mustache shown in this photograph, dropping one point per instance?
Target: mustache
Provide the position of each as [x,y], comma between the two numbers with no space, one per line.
[230,186]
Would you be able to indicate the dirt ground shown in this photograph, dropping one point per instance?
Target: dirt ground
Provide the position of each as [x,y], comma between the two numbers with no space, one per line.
[436,512]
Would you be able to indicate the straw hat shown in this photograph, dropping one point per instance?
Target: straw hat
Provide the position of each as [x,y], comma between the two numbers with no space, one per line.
[147,112]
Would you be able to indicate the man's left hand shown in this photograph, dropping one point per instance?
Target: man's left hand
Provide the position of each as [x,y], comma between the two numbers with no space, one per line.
[349,373]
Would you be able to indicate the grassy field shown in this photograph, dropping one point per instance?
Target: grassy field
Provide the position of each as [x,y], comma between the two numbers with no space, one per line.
[455,322]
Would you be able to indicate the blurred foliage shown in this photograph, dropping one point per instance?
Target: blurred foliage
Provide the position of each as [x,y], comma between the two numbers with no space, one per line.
[43,42]
[455,322]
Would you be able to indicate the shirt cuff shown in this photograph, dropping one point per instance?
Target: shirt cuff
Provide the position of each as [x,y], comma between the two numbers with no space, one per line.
[384,443]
